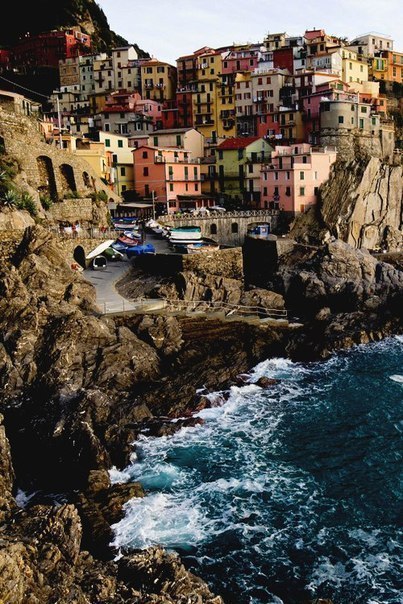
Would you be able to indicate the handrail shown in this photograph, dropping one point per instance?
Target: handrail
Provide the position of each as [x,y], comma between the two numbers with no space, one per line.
[144,305]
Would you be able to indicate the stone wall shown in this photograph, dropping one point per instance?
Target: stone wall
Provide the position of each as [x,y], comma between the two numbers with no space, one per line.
[226,229]
[261,259]
[45,169]
[352,144]
[222,263]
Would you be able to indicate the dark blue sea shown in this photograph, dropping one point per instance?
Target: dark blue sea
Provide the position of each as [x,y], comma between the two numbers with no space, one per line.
[287,493]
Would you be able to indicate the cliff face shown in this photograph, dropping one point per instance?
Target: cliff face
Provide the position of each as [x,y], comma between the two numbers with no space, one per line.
[360,204]
[46,15]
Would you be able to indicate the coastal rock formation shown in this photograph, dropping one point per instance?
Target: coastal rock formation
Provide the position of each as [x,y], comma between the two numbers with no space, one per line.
[79,388]
[361,204]
[343,295]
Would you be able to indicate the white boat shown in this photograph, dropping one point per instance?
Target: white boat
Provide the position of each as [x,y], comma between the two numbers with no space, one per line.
[99,249]
[185,234]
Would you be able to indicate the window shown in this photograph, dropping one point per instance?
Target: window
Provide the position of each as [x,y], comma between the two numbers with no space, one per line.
[107,142]
[145,155]
[302,191]
[361,123]
[178,140]
[106,127]
[240,153]
[213,229]
[171,186]
[145,171]
[234,227]
[196,186]
[302,175]
[363,110]
[220,154]
[123,171]
[341,119]
[195,173]
[155,141]
[120,144]
[288,191]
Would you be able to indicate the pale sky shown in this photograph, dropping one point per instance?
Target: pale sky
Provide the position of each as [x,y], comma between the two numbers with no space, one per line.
[168,29]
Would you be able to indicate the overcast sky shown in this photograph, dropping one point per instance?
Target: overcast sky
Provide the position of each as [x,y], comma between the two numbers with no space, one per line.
[168,29]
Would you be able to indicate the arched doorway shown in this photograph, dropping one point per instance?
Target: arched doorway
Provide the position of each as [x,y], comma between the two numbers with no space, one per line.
[79,255]
[47,181]
[68,180]
[86,180]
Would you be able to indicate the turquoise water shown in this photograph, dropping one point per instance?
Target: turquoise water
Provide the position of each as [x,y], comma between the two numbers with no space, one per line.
[286,493]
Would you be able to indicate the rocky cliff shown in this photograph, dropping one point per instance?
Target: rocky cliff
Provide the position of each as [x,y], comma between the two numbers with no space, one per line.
[78,389]
[361,204]
[45,15]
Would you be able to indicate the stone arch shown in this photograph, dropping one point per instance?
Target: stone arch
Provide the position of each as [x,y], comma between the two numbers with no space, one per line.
[79,255]
[47,181]
[234,227]
[86,180]
[213,229]
[68,180]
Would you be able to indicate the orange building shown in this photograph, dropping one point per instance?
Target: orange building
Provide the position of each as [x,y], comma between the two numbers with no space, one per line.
[388,66]
[170,177]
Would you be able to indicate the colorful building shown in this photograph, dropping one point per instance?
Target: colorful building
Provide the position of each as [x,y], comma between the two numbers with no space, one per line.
[188,139]
[119,161]
[238,163]
[158,80]
[291,180]
[169,177]
[48,48]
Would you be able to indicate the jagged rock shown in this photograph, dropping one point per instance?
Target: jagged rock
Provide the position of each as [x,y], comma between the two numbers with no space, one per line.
[7,475]
[164,333]
[263,298]
[265,382]
[156,572]
[361,204]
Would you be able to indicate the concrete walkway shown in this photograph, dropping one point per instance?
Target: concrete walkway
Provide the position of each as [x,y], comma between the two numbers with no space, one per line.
[108,298]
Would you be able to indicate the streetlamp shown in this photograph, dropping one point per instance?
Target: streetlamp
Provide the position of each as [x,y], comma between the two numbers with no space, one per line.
[153,197]
[59,120]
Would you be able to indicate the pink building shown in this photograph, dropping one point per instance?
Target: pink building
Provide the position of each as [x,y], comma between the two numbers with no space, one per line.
[170,176]
[291,181]
[240,60]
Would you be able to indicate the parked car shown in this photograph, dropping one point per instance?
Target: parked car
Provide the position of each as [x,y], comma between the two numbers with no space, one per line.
[98,263]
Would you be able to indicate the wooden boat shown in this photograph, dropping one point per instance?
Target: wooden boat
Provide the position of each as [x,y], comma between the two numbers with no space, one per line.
[128,241]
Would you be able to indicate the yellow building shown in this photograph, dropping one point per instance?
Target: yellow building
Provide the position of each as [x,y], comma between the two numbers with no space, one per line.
[226,113]
[204,98]
[120,161]
[158,80]
[354,67]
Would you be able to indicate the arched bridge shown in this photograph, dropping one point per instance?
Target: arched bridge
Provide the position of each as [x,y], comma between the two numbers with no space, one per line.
[228,228]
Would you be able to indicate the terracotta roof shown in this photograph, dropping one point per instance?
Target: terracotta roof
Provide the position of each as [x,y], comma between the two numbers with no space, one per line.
[237,143]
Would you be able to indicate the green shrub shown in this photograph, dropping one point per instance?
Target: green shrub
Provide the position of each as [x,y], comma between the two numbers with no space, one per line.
[46,201]
[26,202]
[9,198]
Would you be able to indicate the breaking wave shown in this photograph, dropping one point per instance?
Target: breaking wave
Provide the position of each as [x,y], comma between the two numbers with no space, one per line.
[284,493]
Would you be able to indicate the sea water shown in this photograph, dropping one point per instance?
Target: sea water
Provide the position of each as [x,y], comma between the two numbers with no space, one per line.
[286,493]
